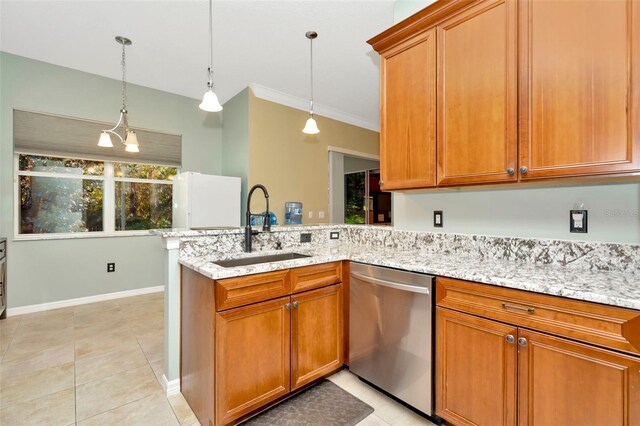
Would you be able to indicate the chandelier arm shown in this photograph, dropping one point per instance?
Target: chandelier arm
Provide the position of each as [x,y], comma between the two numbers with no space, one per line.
[114,133]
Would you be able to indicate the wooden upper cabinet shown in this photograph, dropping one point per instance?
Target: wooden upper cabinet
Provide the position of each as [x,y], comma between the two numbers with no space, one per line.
[561,382]
[408,113]
[477,95]
[580,85]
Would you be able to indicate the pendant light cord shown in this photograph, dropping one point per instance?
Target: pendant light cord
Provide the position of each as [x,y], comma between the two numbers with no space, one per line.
[311,66]
[124,81]
[210,44]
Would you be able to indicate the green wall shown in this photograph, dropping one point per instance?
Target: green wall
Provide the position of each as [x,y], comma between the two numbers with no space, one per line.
[51,270]
[523,212]
[235,142]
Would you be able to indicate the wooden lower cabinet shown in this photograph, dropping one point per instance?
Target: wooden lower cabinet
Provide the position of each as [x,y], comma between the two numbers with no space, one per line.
[237,360]
[252,361]
[475,370]
[561,382]
[491,373]
[316,334]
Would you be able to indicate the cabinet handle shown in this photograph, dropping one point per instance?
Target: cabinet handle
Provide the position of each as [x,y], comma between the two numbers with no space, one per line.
[518,308]
[510,171]
[510,338]
[287,306]
[295,305]
[524,169]
[522,341]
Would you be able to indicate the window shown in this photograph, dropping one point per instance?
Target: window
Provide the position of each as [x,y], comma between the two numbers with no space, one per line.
[67,195]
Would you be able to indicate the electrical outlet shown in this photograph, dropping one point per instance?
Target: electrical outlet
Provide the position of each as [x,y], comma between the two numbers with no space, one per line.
[305,238]
[320,215]
[111,267]
[334,235]
[310,215]
[438,219]
[578,221]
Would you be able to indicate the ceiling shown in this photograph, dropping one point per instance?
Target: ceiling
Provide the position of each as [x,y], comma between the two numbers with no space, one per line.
[255,42]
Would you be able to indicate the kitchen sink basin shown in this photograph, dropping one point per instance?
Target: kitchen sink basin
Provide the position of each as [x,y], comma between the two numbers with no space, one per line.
[259,259]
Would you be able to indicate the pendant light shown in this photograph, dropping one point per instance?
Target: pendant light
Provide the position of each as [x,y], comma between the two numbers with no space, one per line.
[210,102]
[130,140]
[311,128]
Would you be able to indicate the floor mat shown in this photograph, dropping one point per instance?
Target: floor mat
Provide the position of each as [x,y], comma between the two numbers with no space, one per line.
[323,404]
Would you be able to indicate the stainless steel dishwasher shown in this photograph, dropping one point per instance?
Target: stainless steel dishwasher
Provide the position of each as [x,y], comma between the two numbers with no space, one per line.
[391,332]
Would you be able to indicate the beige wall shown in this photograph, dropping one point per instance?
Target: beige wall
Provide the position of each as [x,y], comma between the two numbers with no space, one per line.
[294,166]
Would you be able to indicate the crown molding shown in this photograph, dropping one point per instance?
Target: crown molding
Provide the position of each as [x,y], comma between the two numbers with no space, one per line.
[302,104]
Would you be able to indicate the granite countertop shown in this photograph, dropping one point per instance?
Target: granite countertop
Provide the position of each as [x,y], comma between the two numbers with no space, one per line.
[611,288]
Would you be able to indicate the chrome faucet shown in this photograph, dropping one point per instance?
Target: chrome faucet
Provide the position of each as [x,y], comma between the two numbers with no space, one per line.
[266,226]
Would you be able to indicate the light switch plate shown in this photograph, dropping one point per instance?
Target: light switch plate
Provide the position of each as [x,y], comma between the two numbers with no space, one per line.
[438,218]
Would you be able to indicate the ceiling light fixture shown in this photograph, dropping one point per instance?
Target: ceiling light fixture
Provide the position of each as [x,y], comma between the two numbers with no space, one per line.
[130,139]
[210,102]
[311,128]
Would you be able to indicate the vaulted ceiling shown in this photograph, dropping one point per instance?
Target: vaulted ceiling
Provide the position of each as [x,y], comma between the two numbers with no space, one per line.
[255,42]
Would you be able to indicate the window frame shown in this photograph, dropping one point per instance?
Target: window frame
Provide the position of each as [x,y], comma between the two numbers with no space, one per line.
[108,205]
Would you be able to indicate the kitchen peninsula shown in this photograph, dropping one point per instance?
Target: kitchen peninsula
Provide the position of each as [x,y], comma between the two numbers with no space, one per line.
[588,292]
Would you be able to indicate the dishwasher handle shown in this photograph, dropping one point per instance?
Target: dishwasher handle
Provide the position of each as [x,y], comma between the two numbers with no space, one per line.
[384,283]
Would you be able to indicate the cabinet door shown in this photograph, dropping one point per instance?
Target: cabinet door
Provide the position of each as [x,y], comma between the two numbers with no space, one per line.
[477,95]
[567,383]
[475,370]
[252,357]
[407,114]
[580,87]
[316,334]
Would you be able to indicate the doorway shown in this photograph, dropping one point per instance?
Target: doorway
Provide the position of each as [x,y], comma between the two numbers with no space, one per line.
[354,189]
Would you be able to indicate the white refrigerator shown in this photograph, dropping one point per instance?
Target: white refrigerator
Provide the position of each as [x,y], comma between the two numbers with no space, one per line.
[205,201]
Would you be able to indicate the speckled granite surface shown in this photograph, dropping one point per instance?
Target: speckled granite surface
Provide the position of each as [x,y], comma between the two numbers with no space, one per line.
[597,272]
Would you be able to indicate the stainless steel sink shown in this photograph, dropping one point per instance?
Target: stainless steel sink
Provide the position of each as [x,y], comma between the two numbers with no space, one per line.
[259,259]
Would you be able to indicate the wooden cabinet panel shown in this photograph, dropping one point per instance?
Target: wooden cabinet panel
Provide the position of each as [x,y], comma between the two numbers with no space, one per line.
[252,365]
[475,370]
[407,114]
[232,292]
[610,326]
[580,84]
[477,95]
[196,340]
[567,383]
[310,277]
[316,334]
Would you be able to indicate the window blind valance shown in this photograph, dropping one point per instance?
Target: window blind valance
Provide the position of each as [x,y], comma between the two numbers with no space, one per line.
[54,135]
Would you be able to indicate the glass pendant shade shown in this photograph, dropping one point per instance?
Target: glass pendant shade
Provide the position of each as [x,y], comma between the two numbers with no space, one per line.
[131,142]
[311,128]
[210,102]
[105,140]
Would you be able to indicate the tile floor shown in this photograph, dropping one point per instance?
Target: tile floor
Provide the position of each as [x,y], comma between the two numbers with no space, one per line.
[101,364]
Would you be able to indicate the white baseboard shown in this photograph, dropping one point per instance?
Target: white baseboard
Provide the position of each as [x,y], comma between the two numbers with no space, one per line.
[82,300]
[170,387]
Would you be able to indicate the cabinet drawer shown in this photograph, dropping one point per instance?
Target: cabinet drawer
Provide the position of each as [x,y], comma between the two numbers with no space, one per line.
[604,325]
[315,276]
[232,292]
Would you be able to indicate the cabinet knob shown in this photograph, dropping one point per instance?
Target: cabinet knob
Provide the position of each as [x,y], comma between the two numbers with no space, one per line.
[381,182]
[522,341]
[524,169]
[295,305]
[510,338]
[510,171]
[287,306]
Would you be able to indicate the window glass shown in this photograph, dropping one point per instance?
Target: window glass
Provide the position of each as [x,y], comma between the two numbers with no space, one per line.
[144,171]
[60,205]
[140,205]
[37,163]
